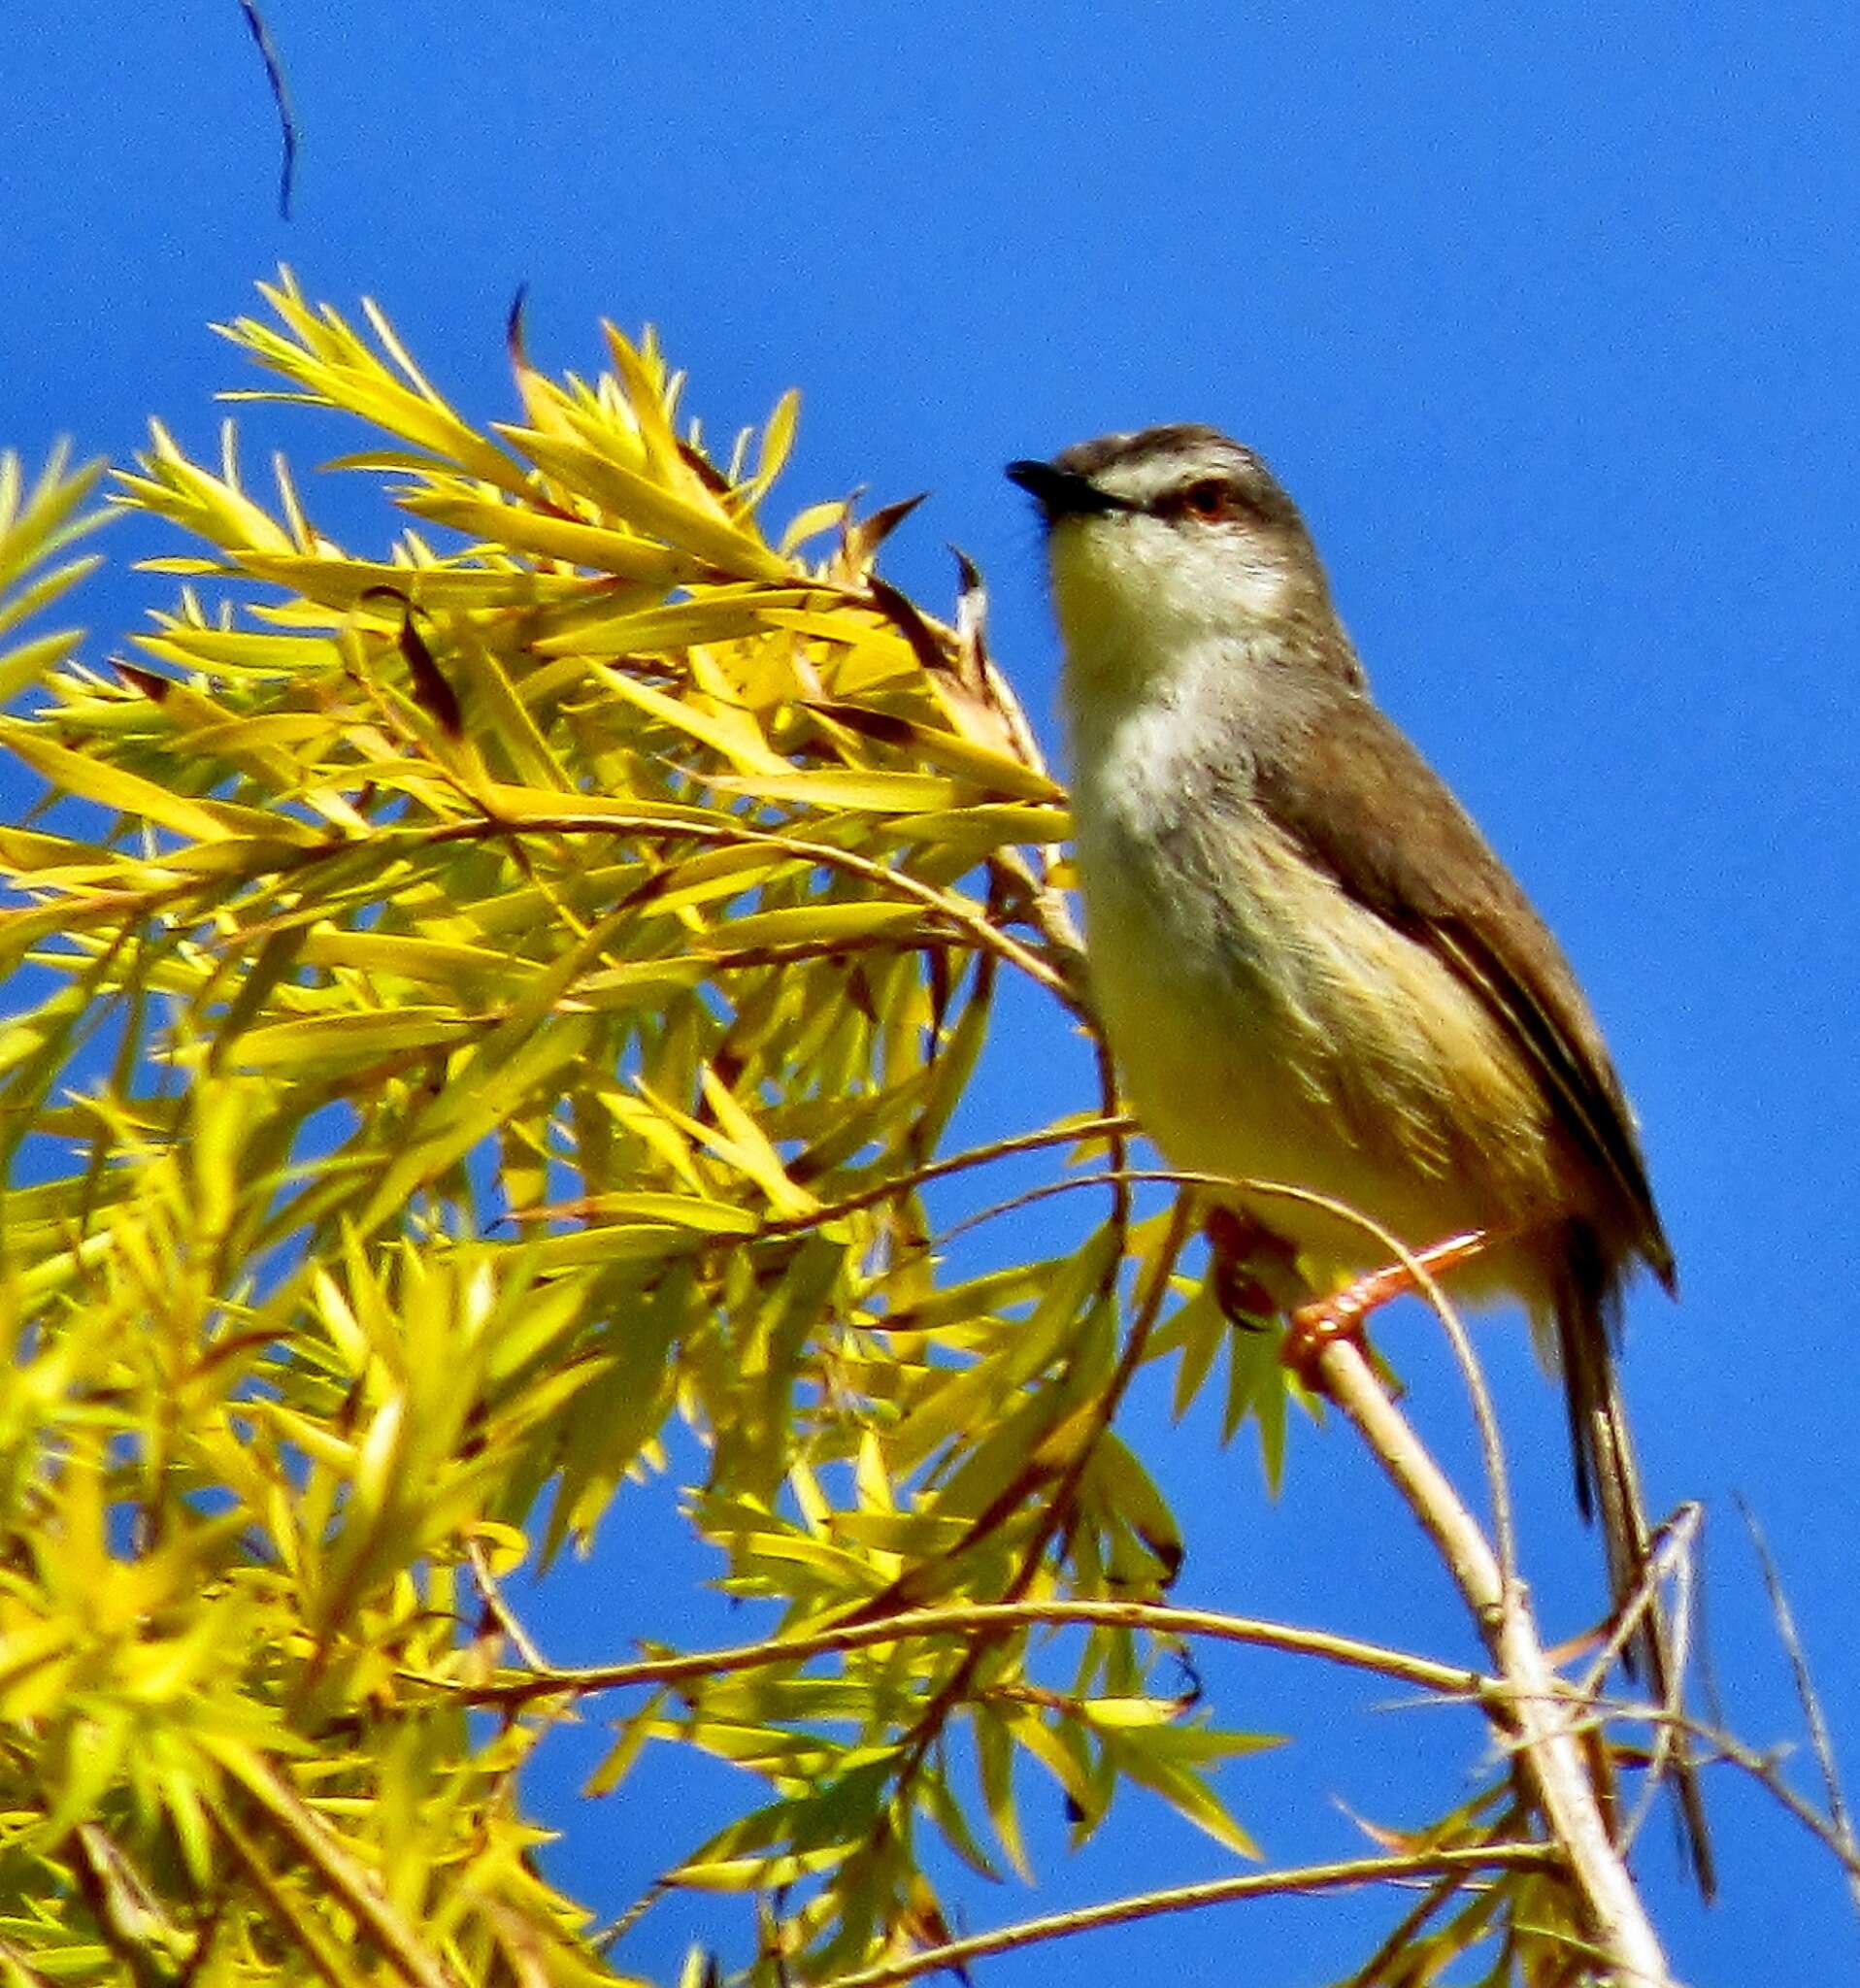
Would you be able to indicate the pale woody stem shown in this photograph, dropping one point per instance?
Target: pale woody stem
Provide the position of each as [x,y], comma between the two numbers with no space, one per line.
[1625,1942]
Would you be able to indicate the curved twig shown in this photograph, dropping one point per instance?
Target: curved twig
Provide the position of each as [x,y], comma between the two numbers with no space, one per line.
[1448,1680]
[1304,1881]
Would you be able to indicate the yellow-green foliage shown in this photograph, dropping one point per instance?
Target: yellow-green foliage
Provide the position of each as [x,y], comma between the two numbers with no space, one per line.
[477,1007]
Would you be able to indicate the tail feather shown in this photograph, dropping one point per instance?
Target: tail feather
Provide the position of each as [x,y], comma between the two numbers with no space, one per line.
[1608,1486]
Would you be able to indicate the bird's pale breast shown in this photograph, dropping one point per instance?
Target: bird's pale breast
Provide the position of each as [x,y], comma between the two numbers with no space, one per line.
[1268,1025]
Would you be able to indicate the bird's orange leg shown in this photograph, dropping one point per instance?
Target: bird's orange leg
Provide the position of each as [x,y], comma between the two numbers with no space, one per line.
[1343,1315]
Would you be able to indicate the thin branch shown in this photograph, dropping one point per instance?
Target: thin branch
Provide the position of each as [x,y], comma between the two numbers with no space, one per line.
[1306,1881]
[1537,1710]
[1450,1681]
[1427,1287]
[1820,1740]
[1715,1743]
[280,97]
[1120,1142]
[509,1625]
[1408,1928]
[1671,1549]
[1150,1303]
[1112,1126]
[969,919]
[1672,1545]
[499,1609]
[355,1886]
[1764,1770]
[1117,1178]
[312,1941]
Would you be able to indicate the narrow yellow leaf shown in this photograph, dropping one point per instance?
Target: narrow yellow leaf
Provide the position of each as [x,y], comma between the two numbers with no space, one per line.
[22,666]
[749,1146]
[516,805]
[821,924]
[685,1211]
[949,752]
[741,743]
[637,983]
[518,527]
[725,615]
[435,961]
[986,826]
[650,507]
[114,786]
[871,793]
[320,1040]
[811,522]
[240,652]
[341,583]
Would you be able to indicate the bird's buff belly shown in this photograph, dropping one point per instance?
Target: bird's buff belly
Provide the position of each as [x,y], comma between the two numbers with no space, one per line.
[1309,1043]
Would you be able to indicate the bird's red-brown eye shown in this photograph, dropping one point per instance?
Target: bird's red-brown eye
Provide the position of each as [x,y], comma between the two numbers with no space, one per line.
[1210,500]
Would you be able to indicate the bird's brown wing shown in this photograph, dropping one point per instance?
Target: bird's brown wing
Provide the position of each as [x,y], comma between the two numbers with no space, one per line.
[1438,880]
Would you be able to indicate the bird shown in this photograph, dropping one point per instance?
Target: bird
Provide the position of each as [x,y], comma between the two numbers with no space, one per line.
[1309,965]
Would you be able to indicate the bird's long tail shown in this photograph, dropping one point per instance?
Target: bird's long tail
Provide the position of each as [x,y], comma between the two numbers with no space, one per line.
[1608,1486]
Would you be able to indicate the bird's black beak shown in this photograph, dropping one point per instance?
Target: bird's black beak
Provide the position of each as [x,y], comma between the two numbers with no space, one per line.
[1061,493]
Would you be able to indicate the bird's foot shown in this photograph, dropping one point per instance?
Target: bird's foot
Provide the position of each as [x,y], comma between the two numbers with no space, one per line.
[1253,1272]
[1312,1327]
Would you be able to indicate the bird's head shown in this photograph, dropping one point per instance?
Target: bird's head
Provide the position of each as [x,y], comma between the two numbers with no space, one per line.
[1161,541]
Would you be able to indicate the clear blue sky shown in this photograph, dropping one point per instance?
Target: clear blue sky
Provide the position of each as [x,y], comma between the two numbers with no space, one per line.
[1550,328]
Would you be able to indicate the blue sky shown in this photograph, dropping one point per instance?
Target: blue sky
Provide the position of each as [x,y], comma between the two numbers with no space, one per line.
[1549,324]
